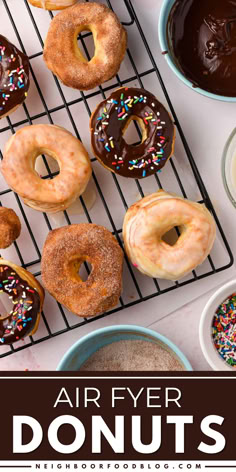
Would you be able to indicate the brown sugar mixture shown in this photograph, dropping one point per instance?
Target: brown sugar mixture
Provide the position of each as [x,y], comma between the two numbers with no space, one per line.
[132,355]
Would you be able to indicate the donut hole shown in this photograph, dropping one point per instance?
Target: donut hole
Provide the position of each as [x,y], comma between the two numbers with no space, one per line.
[85,39]
[172,235]
[80,269]
[84,271]
[5,305]
[46,165]
[135,131]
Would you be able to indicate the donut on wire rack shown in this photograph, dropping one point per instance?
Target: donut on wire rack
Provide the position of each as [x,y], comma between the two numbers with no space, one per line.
[10,227]
[65,250]
[14,77]
[27,297]
[63,56]
[110,121]
[18,167]
[148,220]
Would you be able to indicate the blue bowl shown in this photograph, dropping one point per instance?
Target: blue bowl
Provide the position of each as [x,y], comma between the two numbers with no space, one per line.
[89,344]
[162,31]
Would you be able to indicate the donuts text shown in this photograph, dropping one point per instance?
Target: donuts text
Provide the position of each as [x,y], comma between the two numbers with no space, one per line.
[119,431]
[117,439]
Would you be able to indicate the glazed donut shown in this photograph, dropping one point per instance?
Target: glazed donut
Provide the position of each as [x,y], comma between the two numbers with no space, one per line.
[14,77]
[10,227]
[110,121]
[18,165]
[64,251]
[148,220]
[52,4]
[27,298]
[64,58]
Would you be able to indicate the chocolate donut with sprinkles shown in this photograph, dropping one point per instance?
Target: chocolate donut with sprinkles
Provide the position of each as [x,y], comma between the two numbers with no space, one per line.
[110,121]
[14,77]
[27,297]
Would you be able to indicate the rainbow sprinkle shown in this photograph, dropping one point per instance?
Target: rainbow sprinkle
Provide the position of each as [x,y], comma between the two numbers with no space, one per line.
[224,330]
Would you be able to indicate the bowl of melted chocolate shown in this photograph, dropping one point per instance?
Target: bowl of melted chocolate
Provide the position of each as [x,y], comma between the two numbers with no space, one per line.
[198,39]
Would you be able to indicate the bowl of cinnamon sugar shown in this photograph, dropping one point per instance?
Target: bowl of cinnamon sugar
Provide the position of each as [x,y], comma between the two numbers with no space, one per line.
[124,348]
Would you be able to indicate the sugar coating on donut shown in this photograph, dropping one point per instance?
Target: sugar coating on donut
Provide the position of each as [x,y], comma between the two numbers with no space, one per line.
[10,227]
[14,77]
[64,58]
[64,251]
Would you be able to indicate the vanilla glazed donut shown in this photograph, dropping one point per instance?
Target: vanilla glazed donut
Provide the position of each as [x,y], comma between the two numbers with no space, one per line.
[52,4]
[14,77]
[111,119]
[27,298]
[64,251]
[63,56]
[18,167]
[148,220]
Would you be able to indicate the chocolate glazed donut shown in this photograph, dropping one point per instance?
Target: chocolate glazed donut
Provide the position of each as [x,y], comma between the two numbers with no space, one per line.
[27,297]
[14,77]
[113,116]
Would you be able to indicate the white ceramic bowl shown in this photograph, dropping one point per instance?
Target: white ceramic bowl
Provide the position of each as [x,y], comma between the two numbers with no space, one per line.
[205,330]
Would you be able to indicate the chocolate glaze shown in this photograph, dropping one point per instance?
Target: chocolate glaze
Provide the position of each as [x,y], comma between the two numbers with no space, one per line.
[108,124]
[202,39]
[26,306]
[14,76]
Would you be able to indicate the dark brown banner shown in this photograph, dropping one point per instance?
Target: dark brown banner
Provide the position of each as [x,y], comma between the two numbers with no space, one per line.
[63,416]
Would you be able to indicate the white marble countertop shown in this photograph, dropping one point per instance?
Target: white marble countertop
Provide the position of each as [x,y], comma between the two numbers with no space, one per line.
[206,124]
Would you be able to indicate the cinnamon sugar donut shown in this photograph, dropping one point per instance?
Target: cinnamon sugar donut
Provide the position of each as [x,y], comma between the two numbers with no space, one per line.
[18,167]
[65,250]
[64,58]
[148,220]
[10,227]
[52,4]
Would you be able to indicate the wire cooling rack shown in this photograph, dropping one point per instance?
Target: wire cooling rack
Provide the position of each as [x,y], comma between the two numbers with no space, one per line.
[51,102]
